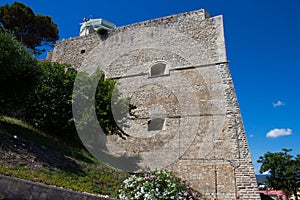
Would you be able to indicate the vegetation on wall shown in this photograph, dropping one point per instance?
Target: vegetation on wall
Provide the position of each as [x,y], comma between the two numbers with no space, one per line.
[49,107]
[112,112]
[102,31]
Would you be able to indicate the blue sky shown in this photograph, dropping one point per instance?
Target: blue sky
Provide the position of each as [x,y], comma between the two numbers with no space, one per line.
[263,47]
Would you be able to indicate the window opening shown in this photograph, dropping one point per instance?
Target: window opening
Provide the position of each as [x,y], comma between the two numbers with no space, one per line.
[156,124]
[158,69]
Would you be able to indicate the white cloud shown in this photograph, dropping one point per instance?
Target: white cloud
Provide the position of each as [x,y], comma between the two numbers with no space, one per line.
[275,133]
[278,104]
[266,172]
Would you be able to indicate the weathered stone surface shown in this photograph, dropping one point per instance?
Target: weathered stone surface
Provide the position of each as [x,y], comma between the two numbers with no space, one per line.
[202,138]
[14,188]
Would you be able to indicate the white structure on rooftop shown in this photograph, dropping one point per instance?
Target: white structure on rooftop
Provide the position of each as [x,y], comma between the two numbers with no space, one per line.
[92,25]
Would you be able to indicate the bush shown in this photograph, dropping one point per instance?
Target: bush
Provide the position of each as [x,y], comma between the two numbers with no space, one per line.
[156,185]
[111,110]
[102,31]
[19,72]
[49,107]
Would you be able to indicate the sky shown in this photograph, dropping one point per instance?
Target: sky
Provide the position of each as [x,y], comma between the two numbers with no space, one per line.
[263,47]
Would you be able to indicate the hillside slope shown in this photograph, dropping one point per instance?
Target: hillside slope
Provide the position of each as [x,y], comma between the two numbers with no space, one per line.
[30,154]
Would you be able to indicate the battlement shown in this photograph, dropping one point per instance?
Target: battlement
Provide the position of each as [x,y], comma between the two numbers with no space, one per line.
[195,24]
[164,21]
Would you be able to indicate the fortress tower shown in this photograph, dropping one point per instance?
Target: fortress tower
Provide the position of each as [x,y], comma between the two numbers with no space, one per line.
[175,70]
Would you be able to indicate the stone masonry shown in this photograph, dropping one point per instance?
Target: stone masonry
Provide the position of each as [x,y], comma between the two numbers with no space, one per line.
[175,70]
[14,188]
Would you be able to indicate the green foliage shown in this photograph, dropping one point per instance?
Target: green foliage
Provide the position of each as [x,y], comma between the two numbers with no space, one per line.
[19,72]
[49,107]
[96,178]
[32,30]
[16,63]
[41,92]
[102,31]
[95,93]
[111,110]
[283,169]
[156,185]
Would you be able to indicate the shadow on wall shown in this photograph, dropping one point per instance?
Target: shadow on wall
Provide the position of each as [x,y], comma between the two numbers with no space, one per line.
[265,197]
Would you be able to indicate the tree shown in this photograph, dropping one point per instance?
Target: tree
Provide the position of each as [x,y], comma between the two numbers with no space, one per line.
[16,62]
[283,169]
[49,107]
[19,71]
[112,118]
[32,30]
[111,110]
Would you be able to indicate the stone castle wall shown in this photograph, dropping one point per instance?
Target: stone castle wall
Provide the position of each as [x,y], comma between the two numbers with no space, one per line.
[201,136]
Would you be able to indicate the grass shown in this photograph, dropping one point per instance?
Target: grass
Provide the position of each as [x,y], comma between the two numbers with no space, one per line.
[83,172]
[94,179]
[12,126]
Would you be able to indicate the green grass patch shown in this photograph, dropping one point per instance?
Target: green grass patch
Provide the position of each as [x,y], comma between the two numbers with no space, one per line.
[95,178]
[12,126]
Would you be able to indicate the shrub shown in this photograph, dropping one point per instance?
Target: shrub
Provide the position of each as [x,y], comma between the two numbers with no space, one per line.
[156,185]
[19,72]
[111,109]
[49,107]
[102,31]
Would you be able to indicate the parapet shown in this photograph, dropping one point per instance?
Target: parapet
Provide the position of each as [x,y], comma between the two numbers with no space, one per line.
[197,24]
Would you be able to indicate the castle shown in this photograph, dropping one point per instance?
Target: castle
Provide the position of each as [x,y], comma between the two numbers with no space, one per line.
[175,70]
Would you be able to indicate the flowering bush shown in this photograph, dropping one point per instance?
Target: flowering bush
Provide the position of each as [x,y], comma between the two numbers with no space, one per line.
[156,185]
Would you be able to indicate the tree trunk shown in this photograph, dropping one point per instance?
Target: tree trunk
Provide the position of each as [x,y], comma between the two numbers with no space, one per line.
[295,194]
